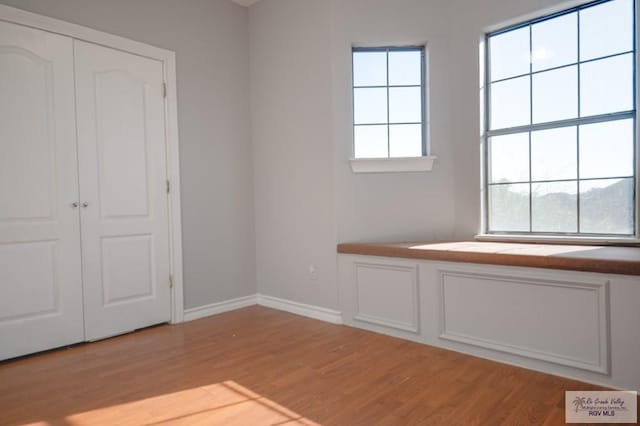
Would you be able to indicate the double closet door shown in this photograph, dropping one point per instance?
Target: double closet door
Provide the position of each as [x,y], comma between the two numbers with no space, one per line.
[84,237]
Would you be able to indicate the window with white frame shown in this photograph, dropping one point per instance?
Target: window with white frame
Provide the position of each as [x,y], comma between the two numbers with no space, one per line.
[388,102]
[560,130]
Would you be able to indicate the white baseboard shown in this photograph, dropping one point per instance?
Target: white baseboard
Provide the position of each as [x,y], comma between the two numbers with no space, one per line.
[315,312]
[219,307]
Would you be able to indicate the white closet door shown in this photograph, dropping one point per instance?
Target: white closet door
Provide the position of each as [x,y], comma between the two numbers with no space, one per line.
[121,150]
[40,275]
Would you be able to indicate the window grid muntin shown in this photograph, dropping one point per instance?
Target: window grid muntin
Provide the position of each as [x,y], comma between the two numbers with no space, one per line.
[421,86]
[558,67]
[388,108]
[515,182]
[577,121]
[580,121]
[531,122]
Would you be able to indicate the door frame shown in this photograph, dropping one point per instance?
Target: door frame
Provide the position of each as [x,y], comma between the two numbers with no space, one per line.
[168,59]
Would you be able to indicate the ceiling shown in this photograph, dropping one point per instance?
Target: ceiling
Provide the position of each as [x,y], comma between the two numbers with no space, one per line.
[246,3]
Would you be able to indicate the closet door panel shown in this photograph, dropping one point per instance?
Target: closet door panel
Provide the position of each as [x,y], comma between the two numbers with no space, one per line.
[123,190]
[122,145]
[40,275]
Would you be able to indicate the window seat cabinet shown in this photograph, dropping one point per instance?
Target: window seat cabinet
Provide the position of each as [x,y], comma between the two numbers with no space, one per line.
[572,311]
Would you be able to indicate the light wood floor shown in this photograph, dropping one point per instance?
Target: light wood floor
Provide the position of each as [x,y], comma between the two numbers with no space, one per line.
[257,366]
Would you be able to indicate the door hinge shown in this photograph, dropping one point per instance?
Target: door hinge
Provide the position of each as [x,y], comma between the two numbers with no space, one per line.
[168,186]
[170,281]
[164,90]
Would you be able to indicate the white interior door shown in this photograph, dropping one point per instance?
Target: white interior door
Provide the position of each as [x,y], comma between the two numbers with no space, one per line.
[124,212]
[40,275]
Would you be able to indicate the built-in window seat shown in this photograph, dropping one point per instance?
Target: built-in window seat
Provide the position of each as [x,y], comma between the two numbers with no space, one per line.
[604,259]
[572,310]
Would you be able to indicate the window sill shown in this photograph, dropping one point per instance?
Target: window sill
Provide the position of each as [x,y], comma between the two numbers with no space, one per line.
[392,165]
[545,239]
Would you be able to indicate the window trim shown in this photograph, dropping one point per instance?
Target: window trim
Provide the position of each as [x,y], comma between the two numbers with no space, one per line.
[393,164]
[559,237]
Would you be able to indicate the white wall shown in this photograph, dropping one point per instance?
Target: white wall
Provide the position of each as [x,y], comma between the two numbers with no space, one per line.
[401,206]
[293,150]
[211,41]
[307,198]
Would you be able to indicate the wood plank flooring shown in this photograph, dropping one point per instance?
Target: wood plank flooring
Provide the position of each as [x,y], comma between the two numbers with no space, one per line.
[258,366]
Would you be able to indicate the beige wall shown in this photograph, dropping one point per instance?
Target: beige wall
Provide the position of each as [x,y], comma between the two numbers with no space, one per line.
[211,41]
[399,206]
[293,152]
[307,198]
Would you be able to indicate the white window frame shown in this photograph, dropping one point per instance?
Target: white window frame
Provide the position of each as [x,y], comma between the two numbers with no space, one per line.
[531,236]
[395,164]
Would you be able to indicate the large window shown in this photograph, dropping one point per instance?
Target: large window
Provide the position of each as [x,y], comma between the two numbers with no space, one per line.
[388,102]
[560,124]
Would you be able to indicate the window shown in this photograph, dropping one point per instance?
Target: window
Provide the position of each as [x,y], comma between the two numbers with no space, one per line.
[560,124]
[388,102]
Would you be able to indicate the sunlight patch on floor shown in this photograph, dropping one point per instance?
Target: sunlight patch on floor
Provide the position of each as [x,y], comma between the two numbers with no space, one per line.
[226,403]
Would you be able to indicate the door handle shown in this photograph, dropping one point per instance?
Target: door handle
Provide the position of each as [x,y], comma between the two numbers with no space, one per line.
[85,205]
[74,205]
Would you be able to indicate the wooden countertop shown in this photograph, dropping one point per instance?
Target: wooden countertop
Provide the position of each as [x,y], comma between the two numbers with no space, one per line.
[603,259]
